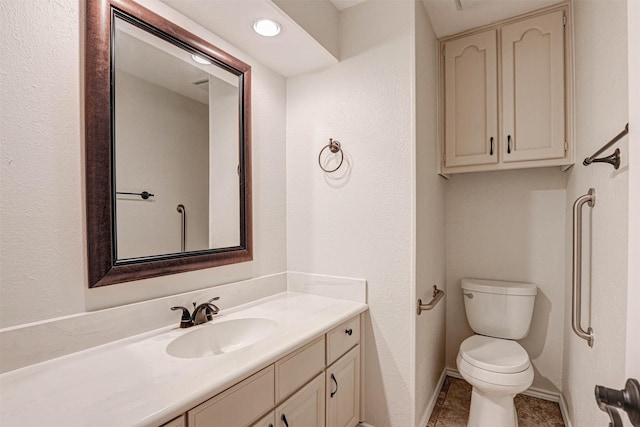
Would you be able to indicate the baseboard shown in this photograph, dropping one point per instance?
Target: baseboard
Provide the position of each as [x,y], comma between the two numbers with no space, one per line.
[432,403]
[564,410]
[534,392]
[453,373]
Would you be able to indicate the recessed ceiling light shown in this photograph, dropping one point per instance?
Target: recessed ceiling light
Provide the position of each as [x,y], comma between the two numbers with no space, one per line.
[200,60]
[266,27]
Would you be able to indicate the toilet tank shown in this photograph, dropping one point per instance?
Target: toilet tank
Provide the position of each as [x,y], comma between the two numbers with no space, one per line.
[499,309]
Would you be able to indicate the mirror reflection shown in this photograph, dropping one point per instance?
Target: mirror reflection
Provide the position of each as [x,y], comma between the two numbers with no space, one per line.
[176,154]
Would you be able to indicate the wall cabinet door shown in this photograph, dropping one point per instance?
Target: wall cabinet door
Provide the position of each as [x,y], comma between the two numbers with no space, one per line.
[533,89]
[471,100]
[343,390]
[305,408]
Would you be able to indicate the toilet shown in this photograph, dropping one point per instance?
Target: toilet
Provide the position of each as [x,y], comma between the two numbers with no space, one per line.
[495,365]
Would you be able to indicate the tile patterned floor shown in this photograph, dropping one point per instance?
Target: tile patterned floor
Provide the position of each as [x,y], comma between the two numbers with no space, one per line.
[452,408]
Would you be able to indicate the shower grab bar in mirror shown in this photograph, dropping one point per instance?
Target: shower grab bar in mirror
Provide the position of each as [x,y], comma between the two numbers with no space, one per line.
[183,229]
[576,318]
[437,296]
[145,194]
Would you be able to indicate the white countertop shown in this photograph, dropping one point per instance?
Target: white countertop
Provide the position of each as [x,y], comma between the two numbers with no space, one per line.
[134,382]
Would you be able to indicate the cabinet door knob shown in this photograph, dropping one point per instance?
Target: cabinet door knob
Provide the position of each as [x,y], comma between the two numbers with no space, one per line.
[508,144]
[491,146]
[284,420]
[348,331]
[336,383]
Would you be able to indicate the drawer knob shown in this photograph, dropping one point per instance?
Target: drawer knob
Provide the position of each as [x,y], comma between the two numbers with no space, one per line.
[284,420]
[348,331]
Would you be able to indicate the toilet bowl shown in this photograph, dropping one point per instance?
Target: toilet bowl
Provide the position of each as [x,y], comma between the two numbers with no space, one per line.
[497,372]
[495,365]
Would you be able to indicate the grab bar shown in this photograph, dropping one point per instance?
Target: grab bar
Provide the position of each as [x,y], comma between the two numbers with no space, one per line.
[437,296]
[576,319]
[183,231]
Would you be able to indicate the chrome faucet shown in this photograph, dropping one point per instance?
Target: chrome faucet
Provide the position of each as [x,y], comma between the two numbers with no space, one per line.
[201,313]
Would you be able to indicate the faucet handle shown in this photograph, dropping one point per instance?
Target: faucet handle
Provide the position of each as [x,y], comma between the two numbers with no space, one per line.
[211,308]
[185,321]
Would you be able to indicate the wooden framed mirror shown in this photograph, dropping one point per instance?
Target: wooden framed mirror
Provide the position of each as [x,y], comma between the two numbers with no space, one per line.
[167,146]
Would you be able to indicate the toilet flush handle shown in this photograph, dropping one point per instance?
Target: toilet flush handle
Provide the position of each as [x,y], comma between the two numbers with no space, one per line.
[468,295]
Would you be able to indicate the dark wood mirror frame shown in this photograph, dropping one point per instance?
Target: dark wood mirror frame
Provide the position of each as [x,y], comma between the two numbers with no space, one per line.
[104,268]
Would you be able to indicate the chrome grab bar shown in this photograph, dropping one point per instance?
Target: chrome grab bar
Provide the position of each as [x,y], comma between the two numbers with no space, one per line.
[437,296]
[183,230]
[576,319]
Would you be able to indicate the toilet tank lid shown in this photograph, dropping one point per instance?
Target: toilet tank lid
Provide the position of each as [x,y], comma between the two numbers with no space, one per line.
[499,287]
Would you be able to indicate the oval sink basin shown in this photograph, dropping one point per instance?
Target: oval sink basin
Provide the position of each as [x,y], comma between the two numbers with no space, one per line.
[220,338]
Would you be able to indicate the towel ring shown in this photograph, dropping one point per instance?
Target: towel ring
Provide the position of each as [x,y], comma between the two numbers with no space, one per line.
[334,147]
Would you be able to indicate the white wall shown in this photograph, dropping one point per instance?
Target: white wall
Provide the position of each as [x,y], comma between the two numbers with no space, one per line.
[162,146]
[510,226]
[361,225]
[601,112]
[430,222]
[224,203]
[42,222]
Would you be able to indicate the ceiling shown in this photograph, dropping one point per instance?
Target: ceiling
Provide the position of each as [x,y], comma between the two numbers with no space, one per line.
[290,53]
[295,51]
[345,4]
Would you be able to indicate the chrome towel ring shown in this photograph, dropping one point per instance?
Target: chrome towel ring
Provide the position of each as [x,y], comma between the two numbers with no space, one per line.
[334,147]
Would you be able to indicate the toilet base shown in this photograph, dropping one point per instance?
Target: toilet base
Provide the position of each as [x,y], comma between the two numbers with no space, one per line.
[489,409]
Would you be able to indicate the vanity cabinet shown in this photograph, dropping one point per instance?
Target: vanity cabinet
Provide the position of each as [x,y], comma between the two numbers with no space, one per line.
[305,408]
[343,390]
[268,420]
[316,385]
[507,93]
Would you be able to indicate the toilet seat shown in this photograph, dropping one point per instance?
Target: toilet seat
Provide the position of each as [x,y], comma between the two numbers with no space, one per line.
[494,354]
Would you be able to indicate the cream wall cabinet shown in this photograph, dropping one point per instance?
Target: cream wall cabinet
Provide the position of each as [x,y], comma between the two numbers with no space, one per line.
[507,94]
[471,100]
[316,385]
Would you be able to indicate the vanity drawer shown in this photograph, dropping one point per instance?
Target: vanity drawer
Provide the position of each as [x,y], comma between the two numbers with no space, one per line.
[296,369]
[342,338]
[237,406]
[176,422]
